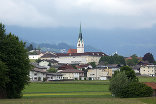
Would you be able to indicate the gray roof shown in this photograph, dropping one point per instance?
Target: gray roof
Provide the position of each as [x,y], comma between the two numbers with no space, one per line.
[36,65]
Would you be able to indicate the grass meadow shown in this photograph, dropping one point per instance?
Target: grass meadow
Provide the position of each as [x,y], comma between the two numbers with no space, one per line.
[75,92]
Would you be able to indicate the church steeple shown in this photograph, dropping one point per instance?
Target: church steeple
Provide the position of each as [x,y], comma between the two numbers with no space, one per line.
[80,43]
[80,33]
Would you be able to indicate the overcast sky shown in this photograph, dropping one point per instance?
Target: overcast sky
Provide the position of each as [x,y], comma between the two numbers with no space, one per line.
[105,14]
[106,24]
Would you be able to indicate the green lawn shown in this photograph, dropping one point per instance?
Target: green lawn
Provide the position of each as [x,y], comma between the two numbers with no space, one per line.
[75,92]
[147,79]
[68,88]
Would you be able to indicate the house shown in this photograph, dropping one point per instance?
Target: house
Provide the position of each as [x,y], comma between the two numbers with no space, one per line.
[64,67]
[136,69]
[35,54]
[99,73]
[37,74]
[72,74]
[36,65]
[83,66]
[48,63]
[114,67]
[153,86]
[148,70]
[54,76]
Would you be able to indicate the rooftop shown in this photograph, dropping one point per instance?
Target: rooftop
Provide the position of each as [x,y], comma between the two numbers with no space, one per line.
[151,84]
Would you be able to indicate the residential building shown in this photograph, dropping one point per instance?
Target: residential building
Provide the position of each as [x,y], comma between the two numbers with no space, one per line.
[100,73]
[148,70]
[37,74]
[72,74]
[48,63]
[54,76]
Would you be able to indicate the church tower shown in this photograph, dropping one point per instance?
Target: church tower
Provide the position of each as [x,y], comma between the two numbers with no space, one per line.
[80,43]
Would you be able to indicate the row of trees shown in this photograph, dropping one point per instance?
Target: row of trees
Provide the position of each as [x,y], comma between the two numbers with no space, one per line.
[14,65]
[117,59]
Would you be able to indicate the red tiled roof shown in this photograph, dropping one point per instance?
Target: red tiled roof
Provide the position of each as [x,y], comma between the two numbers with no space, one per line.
[49,55]
[151,84]
[72,51]
[82,54]
[71,71]
[129,58]
[82,66]
[64,67]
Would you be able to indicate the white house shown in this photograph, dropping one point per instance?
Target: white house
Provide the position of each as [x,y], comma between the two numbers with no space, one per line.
[35,57]
[37,74]
[54,76]
[72,74]
[99,73]
[149,70]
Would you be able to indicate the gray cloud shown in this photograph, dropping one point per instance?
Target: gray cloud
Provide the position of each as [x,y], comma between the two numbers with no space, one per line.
[105,14]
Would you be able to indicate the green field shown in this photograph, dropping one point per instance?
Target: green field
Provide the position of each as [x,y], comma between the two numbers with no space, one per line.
[68,89]
[75,92]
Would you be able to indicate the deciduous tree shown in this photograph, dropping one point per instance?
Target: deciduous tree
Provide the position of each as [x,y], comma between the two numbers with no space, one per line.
[14,55]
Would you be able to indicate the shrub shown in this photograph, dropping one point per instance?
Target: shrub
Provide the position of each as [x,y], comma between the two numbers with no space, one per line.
[122,86]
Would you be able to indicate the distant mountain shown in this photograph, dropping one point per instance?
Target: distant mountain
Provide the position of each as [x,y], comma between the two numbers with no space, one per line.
[60,47]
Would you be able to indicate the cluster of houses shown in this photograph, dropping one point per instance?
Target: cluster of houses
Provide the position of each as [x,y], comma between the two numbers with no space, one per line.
[40,72]
[73,65]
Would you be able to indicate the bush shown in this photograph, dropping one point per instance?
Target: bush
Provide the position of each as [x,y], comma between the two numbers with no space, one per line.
[122,86]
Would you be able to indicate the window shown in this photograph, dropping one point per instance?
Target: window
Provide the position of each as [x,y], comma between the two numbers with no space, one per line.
[35,74]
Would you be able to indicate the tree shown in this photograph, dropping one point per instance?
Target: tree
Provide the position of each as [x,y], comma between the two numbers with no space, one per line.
[115,59]
[93,64]
[3,79]
[30,47]
[133,61]
[52,70]
[118,83]
[15,57]
[129,73]
[148,57]
[125,84]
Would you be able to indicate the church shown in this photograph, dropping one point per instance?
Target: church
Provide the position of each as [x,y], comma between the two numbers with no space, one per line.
[75,56]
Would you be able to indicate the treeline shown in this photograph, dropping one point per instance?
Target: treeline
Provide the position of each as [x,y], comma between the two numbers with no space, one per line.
[130,61]
[115,59]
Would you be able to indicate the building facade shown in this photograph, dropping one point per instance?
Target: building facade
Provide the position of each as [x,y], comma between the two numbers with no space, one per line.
[148,70]
[99,73]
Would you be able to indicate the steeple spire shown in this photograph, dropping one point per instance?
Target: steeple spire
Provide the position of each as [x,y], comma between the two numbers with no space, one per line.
[80,33]
[80,28]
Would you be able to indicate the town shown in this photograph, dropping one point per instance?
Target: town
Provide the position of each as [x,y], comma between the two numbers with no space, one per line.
[77,52]
[77,64]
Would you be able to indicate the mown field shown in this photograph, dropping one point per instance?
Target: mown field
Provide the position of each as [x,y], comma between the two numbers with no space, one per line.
[75,92]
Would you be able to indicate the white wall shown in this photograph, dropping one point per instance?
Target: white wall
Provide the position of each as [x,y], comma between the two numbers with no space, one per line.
[34,56]
[35,75]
